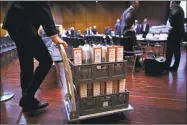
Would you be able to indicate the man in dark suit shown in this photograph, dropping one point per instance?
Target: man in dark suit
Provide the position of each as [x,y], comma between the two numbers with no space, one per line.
[90,31]
[72,32]
[127,20]
[176,20]
[68,32]
[94,30]
[78,34]
[107,31]
[87,31]
[127,24]
[117,27]
[22,21]
[145,28]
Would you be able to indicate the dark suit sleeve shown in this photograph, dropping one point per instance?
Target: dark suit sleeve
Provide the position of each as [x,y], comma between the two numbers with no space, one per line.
[175,18]
[129,19]
[47,19]
[42,11]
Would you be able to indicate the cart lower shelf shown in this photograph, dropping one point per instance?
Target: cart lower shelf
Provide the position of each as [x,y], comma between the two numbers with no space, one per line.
[129,108]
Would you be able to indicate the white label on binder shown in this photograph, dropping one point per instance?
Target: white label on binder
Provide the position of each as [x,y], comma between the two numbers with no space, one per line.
[109,87]
[111,54]
[98,55]
[105,104]
[83,90]
[96,89]
[119,54]
[122,85]
[77,54]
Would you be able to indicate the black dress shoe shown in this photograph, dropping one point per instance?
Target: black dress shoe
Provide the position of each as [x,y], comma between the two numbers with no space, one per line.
[29,105]
[40,105]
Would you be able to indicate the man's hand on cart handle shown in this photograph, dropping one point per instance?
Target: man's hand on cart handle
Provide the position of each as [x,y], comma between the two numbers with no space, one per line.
[57,40]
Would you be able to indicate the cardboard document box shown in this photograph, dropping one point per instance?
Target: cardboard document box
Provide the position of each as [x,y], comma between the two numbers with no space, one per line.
[119,53]
[103,88]
[115,87]
[111,53]
[77,56]
[83,90]
[97,55]
[122,83]
[109,87]
[96,89]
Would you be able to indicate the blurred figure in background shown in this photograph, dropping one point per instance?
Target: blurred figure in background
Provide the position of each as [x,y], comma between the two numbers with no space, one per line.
[117,27]
[87,31]
[137,27]
[145,28]
[78,34]
[68,32]
[72,32]
[176,20]
[107,31]
[90,31]
[94,30]
[127,24]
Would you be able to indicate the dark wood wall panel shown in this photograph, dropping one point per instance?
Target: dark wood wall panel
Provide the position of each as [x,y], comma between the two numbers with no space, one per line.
[83,14]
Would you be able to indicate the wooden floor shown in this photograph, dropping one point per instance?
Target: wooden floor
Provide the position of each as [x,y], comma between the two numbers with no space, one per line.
[155,99]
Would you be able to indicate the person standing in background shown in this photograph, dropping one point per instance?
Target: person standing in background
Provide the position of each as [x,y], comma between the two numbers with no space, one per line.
[176,20]
[137,27]
[117,27]
[145,28]
[22,21]
[127,24]
[127,20]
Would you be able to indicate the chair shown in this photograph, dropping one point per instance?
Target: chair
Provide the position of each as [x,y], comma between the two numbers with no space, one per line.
[129,49]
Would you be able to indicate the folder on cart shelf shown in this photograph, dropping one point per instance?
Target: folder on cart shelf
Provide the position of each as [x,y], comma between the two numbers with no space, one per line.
[96,89]
[122,83]
[111,54]
[109,87]
[77,56]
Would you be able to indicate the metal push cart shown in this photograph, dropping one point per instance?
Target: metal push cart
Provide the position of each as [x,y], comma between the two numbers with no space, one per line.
[77,108]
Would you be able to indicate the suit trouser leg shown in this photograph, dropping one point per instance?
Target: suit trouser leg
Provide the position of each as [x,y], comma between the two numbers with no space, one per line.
[40,53]
[29,48]
[177,55]
[25,60]
[169,54]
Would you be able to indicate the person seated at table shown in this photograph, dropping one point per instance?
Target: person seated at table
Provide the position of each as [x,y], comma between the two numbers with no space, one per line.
[137,27]
[107,31]
[117,27]
[145,28]
[87,31]
[78,34]
[68,32]
[72,32]
[94,30]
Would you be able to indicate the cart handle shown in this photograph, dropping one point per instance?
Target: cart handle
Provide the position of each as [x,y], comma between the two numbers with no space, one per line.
[67,66]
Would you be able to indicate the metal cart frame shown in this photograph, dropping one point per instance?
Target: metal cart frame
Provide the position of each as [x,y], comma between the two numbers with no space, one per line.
[70,97]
